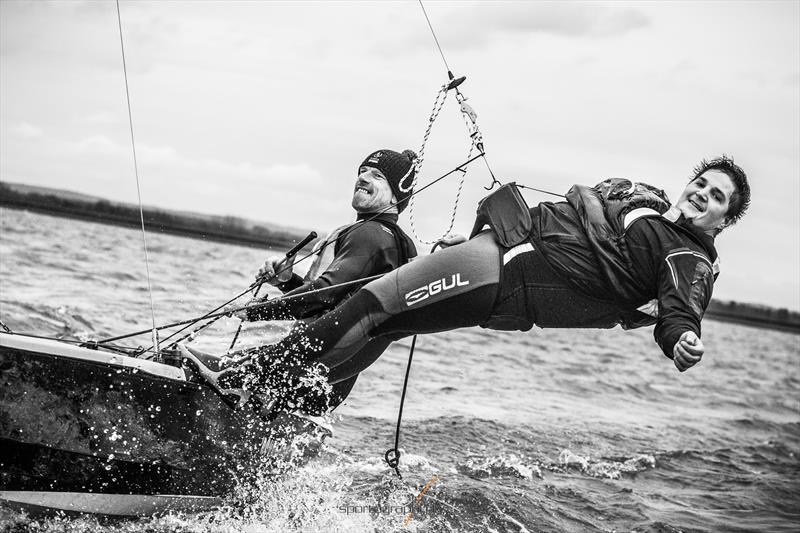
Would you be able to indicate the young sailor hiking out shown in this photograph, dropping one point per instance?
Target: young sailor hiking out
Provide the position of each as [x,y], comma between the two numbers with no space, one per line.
[616,253]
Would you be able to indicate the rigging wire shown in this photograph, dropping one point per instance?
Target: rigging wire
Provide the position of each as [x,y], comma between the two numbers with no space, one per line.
[540,190]
[138,188]
[434,36]
[470,120]
[468,114]
[459,96]
[215,314]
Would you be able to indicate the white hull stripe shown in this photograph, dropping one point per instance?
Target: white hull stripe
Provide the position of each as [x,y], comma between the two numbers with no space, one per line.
[110,504]
[515,251]
[62,349]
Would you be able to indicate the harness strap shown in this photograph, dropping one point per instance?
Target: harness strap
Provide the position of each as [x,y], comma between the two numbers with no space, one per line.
[636,214]
[403,252]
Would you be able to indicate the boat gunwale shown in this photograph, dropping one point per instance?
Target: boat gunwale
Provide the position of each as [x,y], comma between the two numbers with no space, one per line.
[57,348]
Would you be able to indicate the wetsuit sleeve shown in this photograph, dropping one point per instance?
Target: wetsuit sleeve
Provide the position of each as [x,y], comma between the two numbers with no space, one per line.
[685,284]
[291,284]
[268,311]
[369,251]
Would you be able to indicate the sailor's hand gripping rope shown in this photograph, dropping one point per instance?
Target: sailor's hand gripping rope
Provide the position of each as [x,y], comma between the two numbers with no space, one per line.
[286,265]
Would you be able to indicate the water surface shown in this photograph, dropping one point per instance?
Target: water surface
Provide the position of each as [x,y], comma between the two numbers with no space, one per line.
[549,430]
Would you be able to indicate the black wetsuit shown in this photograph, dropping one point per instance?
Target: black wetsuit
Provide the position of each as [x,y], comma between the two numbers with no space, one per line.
[360,250]
[363,249]
[553,279]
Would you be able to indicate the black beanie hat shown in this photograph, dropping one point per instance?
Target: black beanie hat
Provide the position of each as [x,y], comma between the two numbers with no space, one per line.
[398,169]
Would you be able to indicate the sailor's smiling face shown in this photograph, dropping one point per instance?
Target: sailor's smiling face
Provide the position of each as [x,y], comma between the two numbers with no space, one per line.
[706,200]
[372,192]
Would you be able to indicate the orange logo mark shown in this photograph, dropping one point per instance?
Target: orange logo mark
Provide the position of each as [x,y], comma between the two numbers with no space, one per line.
[410,516]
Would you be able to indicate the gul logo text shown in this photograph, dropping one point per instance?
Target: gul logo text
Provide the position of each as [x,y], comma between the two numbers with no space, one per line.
[434,287]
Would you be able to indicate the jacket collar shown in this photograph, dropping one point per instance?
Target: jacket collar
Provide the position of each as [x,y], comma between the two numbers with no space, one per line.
[386,217]
[702,238]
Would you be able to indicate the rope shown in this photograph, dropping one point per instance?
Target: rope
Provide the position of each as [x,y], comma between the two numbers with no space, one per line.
[291,253]
[470,119]
[5,328]
[239,329]
[540,190]
[138,188]
[392,455]
[438,104]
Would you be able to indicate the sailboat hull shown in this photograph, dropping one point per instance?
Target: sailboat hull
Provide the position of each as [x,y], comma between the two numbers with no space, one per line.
[76,420]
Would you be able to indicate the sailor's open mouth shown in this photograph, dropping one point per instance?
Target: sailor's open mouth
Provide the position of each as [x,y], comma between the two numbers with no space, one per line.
[697,206]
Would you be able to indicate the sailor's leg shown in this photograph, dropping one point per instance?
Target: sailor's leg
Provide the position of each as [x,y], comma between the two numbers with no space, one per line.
[453,288]
[338,394]
[343,377]
[359,362]
[289,369]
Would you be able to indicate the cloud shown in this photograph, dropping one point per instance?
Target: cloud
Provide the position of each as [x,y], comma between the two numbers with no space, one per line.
[101,165]
[102,118]
[568,19]
[26,131]
[96,144]
[472,27]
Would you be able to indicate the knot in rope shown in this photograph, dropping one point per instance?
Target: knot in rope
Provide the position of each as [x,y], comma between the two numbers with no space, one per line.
[392,458]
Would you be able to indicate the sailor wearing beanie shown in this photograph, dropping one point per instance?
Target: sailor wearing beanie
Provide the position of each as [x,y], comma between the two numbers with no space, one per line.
[384,177]
[375,246]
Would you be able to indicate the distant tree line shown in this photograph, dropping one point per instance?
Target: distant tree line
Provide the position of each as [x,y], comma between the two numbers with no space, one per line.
[754,314]
[227,229]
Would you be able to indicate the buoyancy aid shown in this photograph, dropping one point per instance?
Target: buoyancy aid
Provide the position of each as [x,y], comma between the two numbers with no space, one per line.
[405,247]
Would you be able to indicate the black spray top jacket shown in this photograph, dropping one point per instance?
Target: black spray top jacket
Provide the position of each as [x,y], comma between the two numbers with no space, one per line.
[610,243]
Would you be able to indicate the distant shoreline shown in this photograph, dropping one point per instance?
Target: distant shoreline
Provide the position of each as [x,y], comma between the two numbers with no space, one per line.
[232,230]
[221,237]
[752,321]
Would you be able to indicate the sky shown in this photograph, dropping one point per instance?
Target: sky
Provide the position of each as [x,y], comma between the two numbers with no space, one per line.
[265,110]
